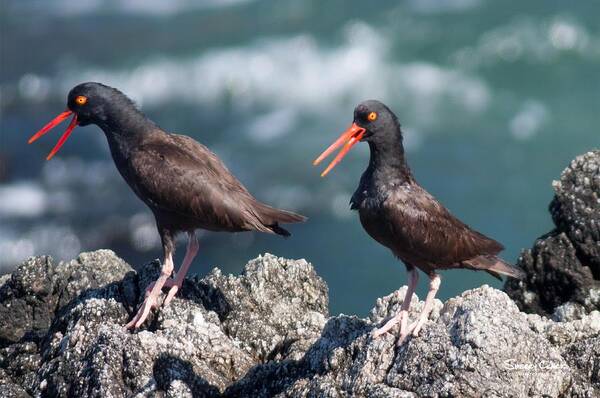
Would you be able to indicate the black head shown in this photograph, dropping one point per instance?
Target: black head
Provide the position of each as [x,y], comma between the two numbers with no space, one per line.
[373,122]
[95,103]
[380,123]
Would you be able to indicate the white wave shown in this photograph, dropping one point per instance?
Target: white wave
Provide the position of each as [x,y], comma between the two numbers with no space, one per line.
[14,249]
[73,172]
[156,8]
[296,73]
[33,87]
[56,240]
[429,85]
[265,128]
[61,181]
[22,199]
[529,120]
[565,35]
[143,233]
[440,6]
[526,38]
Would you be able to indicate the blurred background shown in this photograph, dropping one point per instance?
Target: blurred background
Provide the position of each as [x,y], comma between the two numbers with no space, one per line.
[495,98]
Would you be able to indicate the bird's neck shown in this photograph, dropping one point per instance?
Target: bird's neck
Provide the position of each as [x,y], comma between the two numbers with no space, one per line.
[125,130]
[387,158]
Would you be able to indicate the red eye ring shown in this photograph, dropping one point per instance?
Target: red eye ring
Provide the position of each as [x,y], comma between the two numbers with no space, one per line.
[80,100]
[372,116]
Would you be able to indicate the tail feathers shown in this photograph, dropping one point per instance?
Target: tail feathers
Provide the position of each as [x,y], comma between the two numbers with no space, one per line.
[270,217]
[279,231]
[495,266]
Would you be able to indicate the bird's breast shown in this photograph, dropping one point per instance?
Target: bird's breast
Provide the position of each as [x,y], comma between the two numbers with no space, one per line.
[387,214]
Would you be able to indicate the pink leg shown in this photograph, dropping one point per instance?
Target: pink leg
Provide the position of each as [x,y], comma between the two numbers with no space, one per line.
[192,250]
[434,285]
[168,283]
[151,299]
[402,315]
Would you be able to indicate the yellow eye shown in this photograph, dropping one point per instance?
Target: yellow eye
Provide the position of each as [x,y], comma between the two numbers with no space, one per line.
[372,116]
[80,100]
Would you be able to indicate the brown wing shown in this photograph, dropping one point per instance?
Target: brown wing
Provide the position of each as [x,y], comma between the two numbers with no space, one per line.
[178,175]
[430,233]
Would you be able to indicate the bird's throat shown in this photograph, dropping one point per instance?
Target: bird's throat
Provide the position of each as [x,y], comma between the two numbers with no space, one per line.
[389,157]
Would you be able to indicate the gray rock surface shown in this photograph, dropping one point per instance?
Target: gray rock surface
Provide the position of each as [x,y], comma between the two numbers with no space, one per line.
[38,288]
[217,329]
[563,267]
[477,344]
[267,333]
[576,207]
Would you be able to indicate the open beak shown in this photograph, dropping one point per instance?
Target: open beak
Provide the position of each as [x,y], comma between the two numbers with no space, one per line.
[349,138]
[57,120]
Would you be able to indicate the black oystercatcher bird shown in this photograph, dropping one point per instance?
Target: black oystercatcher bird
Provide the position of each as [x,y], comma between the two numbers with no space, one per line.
[185,185]
[398,213]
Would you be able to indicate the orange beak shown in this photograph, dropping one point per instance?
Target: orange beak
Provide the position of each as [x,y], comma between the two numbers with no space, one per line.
[57,120]
[349,138]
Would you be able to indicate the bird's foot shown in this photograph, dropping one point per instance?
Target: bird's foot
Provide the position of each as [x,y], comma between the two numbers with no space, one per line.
[385,328]
[174,286]
[412,329]
[401,317]
[416,327]
[150,302]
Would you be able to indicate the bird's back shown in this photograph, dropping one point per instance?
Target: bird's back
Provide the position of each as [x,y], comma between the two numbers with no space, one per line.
[188,186]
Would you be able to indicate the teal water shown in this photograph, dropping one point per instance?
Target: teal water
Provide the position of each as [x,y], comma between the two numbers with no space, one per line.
[495,99]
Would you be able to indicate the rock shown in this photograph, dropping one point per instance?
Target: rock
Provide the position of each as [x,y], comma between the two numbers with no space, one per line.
[19,362]
[584,357]
[34,292]
[563,267]
[275,314]
[267,333]
[575,208]
[207,338]
[480,342]
[12,391]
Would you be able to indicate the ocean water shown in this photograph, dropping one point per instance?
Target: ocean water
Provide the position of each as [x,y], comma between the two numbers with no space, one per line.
[495,99]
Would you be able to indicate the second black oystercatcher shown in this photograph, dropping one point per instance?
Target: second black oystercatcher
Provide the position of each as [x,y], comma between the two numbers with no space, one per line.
[185,185]
[398,213]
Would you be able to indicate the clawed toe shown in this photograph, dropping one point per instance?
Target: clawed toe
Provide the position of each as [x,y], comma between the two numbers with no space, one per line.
[389,325]
[378,332]
[151,302]
[139,318]
[172,292]
[405,330]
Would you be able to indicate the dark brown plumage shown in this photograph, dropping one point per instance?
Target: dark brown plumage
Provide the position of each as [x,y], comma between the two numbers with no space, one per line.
[398,213]
[186,186]
[423,233]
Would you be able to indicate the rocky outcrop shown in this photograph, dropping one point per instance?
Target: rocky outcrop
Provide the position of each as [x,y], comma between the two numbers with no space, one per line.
[33,294]
[267,333]
[563,267]
[63,335]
